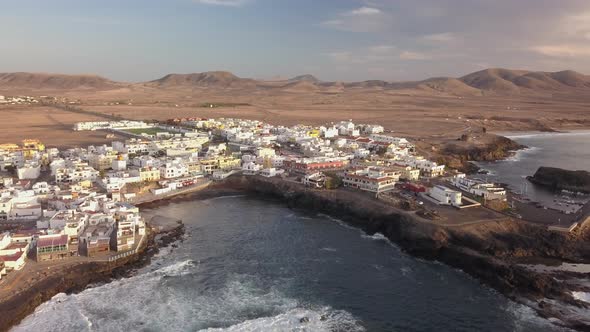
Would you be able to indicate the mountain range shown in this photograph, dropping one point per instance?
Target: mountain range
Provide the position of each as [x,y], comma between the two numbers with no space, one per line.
[494,81]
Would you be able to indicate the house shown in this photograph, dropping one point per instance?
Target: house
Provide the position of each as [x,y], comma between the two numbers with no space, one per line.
[125,235]
[270,172]
[119,163]
[371,179]
[173,169]
[101,162]
[52,247]
[26,210]
[29,171]
[445,196]
[79,172]
[487,191]
[314,180]
[149,174]
[15,261]
[250,168]
[312,165]
[407,172]
[5,240]
[5,207]
[96,238]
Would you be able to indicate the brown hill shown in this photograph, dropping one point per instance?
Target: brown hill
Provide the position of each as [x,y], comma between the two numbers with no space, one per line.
[498,81]
[493,81]
[448,85]
[213,79]
[305,78]
[300,86]
[369,84]
[44,81]
[505,81]
[571,78]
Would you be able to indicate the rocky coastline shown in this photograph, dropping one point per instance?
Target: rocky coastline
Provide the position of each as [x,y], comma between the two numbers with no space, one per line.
[461,155]
[490,252]
[78,277]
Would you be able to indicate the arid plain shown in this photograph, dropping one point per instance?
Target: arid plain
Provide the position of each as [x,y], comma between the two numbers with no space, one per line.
[434,110]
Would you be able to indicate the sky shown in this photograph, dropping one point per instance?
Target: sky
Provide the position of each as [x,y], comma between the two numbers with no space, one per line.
[335,40]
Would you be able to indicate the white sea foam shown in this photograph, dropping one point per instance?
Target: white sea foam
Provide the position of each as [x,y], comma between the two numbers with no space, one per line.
[526,319]
[582,296]
[222,197]
[545,134]
[299,319]
[518,155]
[177,269]
[338,221]
[151,301]
[329,249]
[379,237]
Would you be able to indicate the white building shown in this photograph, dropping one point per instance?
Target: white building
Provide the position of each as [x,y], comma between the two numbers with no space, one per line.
[173,169]
[371,179]
[77,173]
[30,171]
[487,191]
[446,196]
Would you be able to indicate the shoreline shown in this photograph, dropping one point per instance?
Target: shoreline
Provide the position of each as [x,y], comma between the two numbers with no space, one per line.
[420,239]
[494,258]
[78,277]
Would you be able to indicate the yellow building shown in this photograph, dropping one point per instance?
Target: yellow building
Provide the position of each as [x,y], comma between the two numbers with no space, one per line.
[228,163]
[223,163]
[9,147]
[313,133]
[85,184]
[33,144]
[407,172]
[101,162]
[149,174]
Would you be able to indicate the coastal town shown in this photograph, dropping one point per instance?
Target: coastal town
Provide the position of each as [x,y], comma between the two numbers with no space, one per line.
[57,205]
[63,207]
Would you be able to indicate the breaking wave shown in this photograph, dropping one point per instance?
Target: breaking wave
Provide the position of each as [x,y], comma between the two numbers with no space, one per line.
[582,296]
[546,134]
[155,302]
[299,319]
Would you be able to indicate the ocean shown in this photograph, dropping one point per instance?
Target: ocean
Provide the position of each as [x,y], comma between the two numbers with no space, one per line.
[563,150]
[253,265]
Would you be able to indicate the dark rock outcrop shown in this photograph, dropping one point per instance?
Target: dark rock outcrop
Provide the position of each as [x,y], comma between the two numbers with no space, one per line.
[561,179]
[460,154]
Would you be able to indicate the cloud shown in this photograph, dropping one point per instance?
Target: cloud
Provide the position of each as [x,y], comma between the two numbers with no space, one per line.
[377,55]
[382,49]
[564,50]
[363,11]
[410,55]
[440,37]
[363,19]
[227,3]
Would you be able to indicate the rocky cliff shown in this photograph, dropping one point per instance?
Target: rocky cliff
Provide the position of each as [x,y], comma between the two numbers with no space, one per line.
[488,251]
[459,154]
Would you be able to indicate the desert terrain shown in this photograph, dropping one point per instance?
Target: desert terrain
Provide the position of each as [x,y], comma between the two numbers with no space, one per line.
[434,110]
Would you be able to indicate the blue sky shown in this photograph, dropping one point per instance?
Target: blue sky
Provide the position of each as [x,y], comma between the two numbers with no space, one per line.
[138,40]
